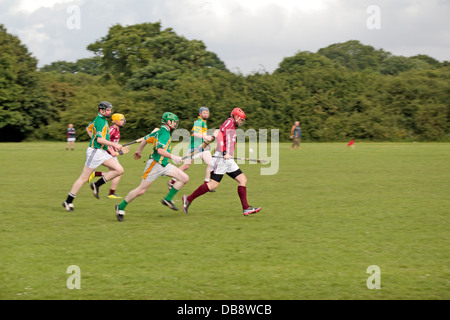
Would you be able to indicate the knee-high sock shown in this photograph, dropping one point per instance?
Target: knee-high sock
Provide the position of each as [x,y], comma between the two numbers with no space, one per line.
[242,192]
[197,193]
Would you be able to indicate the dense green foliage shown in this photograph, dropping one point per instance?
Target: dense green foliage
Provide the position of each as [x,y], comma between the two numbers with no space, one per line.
[24,103]
[344,91]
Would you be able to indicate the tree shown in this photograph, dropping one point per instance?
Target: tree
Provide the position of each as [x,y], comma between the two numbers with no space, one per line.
[354,55]
[126,50]
[91,66]
[24,103]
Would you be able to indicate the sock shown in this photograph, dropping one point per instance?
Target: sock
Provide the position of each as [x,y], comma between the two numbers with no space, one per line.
[122,205]
[100,182]
[70,198]
[242,191]
[171,194]
[197,193]
[98,173]
[112,191]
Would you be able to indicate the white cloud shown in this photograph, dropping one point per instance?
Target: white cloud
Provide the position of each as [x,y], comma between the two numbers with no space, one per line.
[30,6]
[247,35]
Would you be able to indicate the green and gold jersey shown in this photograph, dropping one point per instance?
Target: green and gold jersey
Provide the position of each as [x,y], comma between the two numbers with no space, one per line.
[100,129]
[160,139]
[201,127]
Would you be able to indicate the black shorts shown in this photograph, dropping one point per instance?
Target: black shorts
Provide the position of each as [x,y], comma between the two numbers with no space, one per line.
[218,177]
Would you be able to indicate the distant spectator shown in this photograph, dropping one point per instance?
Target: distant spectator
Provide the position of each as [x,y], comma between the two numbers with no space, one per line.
[70,133]
[296,134]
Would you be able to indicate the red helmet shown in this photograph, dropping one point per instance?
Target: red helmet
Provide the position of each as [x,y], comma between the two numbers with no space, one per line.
[238,112]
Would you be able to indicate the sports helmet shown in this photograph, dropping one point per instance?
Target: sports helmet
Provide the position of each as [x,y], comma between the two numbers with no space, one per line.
[105,105]
[170,116]
[238,112]
[203,108]
[116,117]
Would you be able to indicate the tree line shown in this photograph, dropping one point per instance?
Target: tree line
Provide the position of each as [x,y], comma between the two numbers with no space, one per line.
[344,91]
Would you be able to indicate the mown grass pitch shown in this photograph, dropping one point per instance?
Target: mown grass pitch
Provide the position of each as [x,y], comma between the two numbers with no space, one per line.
[329,214]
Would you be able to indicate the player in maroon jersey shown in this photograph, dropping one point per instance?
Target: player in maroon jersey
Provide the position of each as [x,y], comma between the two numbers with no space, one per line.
[223,162]
[118,121]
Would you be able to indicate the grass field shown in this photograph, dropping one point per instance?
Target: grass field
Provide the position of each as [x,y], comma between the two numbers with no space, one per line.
[329,214]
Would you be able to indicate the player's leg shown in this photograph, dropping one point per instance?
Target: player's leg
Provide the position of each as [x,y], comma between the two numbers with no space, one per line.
[113,188]
[181,179]
[133,194]
[138,191]
[201,190]
[114,183]
[214,181]
[241,179]
[115,170]
[183,167]
[218,169]
[207,158]
[95,174]
[82,179]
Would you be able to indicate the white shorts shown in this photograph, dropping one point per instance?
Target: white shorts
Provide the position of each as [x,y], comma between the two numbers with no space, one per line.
[221,166]
[71,139]
[154,170]
[96,157]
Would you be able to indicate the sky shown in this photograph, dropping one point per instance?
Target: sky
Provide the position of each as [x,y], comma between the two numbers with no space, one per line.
[247,35]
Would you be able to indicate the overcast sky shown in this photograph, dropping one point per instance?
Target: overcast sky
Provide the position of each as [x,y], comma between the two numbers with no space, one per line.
[248,35]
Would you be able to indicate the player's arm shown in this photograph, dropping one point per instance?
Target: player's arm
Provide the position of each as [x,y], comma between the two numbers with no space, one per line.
[196,132]
[90,129]
[108,143]
[203,136]
[228,143]
[138,153]
[163,152]
[112,151]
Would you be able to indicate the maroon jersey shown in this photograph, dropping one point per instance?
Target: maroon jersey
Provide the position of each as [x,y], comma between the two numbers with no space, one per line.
[114,135]
[226,139]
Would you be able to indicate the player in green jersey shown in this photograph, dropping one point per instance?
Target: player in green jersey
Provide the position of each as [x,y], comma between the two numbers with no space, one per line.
[198,135]
[96,155]
[157,165]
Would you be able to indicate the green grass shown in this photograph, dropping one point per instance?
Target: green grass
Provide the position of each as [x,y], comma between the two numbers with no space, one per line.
[328,214]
